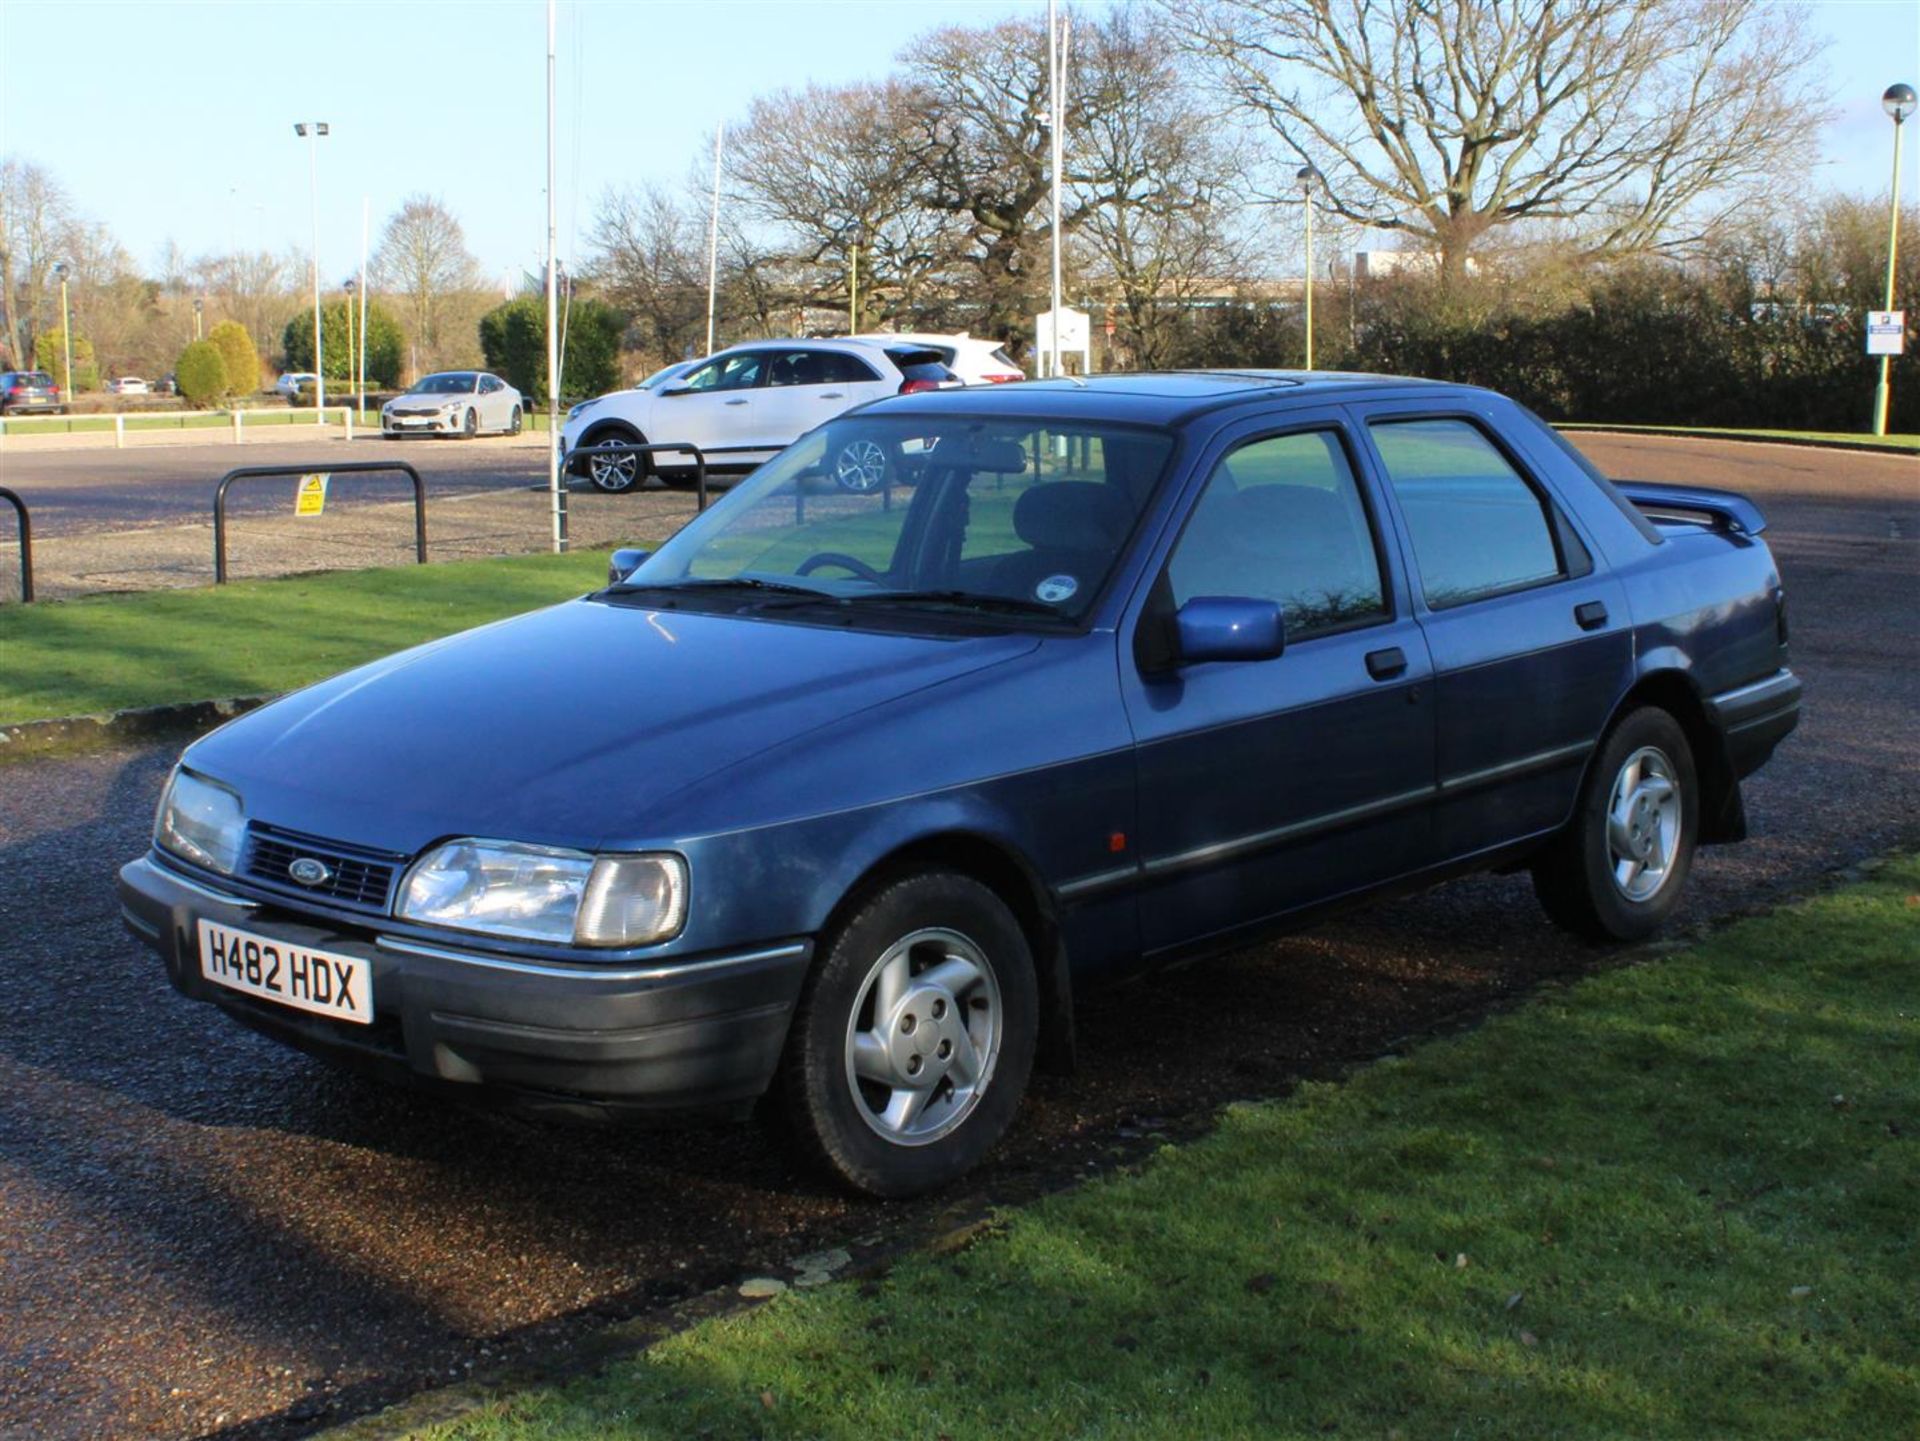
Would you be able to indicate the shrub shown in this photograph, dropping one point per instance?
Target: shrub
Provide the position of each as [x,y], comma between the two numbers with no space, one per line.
[385,343]
[242,361]
[201,373]
[50,355]
[514,339]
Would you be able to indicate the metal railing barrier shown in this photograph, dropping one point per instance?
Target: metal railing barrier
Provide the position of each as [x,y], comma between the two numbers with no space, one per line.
[26,544]
[612,450]
[356,467]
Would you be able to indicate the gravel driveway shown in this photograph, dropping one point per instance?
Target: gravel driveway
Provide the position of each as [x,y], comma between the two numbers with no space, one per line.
[201,1232]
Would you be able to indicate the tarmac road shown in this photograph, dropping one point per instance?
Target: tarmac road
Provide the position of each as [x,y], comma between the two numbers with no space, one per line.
[90,489]
[201,1232]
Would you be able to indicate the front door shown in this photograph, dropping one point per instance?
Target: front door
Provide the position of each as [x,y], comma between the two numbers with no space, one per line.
[1268,785]
[712,406]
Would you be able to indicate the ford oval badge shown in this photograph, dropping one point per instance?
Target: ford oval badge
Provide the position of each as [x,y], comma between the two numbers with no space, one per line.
[310,872]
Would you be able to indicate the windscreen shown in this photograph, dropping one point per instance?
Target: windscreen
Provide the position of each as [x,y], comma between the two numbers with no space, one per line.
[1001,517]
[450,383]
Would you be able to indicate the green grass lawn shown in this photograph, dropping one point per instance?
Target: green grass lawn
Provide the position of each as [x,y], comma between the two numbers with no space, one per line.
[1853,439]
[101,653]
[1674,1200]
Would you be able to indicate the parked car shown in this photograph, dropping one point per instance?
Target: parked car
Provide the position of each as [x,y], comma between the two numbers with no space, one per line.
[454,402]
[844,797]
[976,362]
[129,385]
[292,382]
[29,390]
[746,404]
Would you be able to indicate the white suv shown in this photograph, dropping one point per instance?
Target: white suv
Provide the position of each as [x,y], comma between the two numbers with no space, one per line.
[976,362]
[746,404]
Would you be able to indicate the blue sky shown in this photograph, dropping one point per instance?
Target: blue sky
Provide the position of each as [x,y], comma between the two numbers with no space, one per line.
[174,120]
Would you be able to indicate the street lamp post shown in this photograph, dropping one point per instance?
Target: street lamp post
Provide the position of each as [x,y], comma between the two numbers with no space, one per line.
[359,402]
[61,269]
[1309,181]
[197,304]
[1899,102]
[311,131]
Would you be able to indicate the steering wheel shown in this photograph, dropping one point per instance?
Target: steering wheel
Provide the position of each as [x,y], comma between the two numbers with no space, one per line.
[845,562]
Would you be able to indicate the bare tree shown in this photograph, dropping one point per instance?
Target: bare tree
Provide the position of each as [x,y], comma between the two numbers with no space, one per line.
[423,258]
[1162,227]
[647,256]
[36,227]
[1633,123]
[830,171]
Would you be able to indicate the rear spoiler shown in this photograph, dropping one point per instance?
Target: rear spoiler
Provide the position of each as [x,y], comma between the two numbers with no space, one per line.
[1721,509]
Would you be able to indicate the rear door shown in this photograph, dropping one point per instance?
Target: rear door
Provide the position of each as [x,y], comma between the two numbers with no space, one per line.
[1530,640]
[1270,785]
[807,386]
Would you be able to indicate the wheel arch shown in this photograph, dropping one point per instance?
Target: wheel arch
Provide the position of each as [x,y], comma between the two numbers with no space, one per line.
[1723,816]
[1002,869]
[612,428]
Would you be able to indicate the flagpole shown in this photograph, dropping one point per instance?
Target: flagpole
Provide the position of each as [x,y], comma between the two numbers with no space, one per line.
[713,235]
[554,486]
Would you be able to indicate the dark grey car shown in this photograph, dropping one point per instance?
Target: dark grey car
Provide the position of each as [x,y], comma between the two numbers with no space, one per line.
[30,390]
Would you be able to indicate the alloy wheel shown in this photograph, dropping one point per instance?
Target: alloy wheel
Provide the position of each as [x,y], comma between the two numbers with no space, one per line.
[1643,824]
[923,1037]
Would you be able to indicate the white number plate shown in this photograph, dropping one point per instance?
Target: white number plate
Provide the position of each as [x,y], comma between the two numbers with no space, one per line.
[324,982]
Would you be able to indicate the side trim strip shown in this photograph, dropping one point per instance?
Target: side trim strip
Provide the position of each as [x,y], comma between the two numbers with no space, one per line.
[1280,835]
[1770,717]
[585,973]
[1538,761]
[1756,692]
[1084,886]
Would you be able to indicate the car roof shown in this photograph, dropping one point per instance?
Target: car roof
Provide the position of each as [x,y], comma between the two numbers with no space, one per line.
[1159,397]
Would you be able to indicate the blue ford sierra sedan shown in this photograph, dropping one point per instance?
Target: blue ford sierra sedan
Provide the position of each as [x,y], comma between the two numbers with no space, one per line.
[839,798]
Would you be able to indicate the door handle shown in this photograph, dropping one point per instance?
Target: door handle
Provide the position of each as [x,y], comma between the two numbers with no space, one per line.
[736,402]
[834,395]
[1386,664]
[1590,614]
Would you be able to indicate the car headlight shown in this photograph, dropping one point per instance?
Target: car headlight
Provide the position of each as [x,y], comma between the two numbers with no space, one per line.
[200,821]
[574,412]
[542,893]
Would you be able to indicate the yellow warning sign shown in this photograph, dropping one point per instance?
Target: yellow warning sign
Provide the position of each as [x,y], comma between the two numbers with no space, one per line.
[311,498]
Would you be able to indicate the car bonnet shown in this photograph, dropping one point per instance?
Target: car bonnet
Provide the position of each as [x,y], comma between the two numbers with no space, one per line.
[564,727]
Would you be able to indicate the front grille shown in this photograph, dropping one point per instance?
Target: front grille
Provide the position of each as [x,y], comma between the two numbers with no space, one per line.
[412,414]
[358,878]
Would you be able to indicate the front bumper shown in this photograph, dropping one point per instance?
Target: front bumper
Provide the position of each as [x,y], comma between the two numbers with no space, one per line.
[420,424]
[695,1033]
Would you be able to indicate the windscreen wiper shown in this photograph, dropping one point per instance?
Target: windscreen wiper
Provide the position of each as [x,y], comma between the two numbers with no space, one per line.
[718,583]
[959,599]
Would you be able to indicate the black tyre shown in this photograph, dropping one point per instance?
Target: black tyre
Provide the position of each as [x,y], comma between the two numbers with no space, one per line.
[914,1037]
[513,424]
[470,425]
[1618,870]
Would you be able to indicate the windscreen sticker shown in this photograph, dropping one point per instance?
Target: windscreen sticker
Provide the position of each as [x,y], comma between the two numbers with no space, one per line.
[1055,588]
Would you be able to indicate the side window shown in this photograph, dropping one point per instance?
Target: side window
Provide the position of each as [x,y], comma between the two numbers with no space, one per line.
[1477,527]
[837,368]
[726,372]
[1281,519]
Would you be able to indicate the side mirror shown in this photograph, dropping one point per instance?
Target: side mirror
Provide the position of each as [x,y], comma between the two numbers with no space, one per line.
[623,563]
[1218,627]
[677,390]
